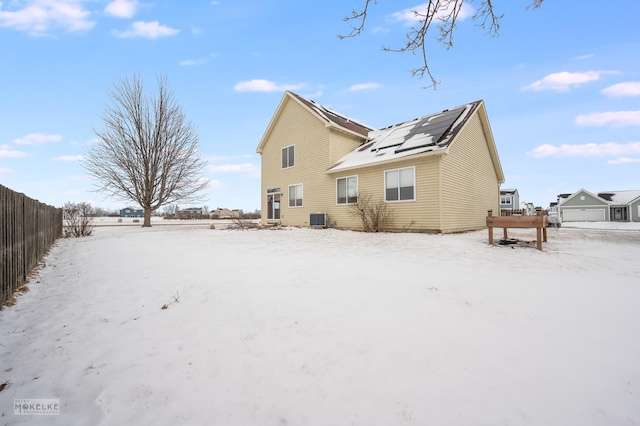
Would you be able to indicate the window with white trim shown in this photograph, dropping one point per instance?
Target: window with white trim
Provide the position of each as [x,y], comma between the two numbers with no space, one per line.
[288,156]
[347,190]
[295,195]
[400,184]
[505,199]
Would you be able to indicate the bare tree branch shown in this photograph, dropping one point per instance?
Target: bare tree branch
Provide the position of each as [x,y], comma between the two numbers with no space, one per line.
[147,150]
[441,13]
[361,16]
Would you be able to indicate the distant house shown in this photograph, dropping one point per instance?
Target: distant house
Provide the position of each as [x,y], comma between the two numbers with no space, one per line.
[509,199]
[438,173]
[190,213]
[131,212]
[223,213]
[527,208]
[585,206]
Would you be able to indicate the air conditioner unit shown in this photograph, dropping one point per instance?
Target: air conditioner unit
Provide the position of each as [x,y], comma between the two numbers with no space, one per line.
[318,220]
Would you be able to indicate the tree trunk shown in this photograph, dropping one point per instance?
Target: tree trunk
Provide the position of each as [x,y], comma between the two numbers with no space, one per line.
[147,218]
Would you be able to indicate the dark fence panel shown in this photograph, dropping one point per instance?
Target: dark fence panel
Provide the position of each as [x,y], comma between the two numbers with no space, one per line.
[27,229]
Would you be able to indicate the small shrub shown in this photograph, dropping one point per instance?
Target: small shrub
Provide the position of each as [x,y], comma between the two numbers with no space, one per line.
[375,216]
[78,219]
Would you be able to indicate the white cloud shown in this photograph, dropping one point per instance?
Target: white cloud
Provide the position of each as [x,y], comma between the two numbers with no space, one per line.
[261,85]
[39,17]
[363,86]
[622,90]
[410,17]
[217,158]
[249,169]
[215,184]
[6,152]
[563,81]
[611,118]
[37,139]
[122,8]
[200,61]
[69,158]
[582,57]
[624,160]
[586,150]
[150,30]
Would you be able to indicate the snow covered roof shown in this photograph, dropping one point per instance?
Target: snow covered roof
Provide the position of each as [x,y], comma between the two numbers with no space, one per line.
[619,197]
[430,133]
[614,198]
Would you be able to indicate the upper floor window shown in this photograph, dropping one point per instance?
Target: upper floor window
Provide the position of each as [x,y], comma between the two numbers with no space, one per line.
[295,195]
[400,184]
[505,199]
[288,156]
[347,190]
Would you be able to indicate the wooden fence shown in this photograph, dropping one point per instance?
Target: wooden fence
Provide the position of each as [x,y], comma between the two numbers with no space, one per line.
[27,229]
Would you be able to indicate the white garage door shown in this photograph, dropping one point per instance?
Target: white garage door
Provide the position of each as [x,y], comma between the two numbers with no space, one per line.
[583,215]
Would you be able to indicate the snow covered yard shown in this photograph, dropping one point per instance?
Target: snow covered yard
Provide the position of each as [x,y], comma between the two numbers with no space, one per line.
[327,327]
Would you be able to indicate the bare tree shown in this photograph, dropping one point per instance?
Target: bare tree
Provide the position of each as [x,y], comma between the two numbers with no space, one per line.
[443,14]
[147,151]
[169,210]
[375,216]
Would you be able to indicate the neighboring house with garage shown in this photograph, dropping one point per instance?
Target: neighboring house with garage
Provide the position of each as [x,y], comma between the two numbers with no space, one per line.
[585,206]
[437,173]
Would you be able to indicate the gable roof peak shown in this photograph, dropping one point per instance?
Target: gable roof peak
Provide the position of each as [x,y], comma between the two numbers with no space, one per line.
[332,117]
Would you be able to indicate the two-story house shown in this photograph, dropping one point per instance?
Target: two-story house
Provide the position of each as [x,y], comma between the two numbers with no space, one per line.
[509,199]
[437,173]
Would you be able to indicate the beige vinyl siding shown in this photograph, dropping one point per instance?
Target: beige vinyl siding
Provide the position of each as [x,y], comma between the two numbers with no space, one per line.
[421,215]
[469,182]
[342,144]
[298,126]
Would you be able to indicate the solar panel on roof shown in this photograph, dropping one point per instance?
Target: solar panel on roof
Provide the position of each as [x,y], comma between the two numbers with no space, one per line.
[394,136]
[429,130]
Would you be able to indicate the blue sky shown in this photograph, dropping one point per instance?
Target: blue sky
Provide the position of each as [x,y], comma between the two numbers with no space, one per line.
[561,84]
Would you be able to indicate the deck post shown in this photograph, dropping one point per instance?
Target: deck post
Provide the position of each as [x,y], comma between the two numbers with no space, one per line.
[544,227]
